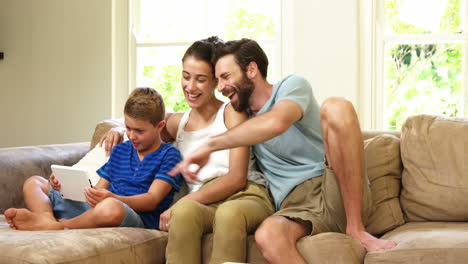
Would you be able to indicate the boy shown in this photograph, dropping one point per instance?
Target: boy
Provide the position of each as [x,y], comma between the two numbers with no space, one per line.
[133,189]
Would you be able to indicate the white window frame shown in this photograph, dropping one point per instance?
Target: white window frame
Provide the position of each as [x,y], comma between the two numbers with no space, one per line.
[373,41]
[134,10]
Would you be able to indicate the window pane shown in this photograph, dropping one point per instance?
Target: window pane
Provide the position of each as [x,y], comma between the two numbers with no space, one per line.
[161,68]
[234,19]
[188,20]
[422,79]
[422,16]
[171,21]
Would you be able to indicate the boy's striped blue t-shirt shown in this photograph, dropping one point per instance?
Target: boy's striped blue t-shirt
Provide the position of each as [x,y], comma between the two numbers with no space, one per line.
[129,176]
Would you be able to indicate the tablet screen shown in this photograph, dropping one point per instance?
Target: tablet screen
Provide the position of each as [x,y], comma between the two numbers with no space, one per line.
[73,182]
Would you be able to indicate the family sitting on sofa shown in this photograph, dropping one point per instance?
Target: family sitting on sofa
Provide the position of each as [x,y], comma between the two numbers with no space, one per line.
[310,160]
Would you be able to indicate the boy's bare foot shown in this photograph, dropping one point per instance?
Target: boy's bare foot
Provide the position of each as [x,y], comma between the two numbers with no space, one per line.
[23,219]
[371,243]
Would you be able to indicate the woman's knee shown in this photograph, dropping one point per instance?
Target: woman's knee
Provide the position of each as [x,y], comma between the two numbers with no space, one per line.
[231,215]
[230,210]
[185,209]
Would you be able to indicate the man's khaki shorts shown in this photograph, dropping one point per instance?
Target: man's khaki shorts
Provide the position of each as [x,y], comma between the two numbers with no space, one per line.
[317,203]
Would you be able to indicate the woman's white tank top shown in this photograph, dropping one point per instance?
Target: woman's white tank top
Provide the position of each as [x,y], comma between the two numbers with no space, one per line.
[218,163]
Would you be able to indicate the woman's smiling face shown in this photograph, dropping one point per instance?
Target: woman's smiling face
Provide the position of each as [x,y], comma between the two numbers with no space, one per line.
[198,82]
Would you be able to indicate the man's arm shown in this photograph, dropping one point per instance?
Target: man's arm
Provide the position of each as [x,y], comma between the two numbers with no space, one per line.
[256,130]
[260,128]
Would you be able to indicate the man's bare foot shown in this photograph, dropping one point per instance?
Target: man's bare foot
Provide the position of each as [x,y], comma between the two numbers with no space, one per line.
[371,243]
[23,219]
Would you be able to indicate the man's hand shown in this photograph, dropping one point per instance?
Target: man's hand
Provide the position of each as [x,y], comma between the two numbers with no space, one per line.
[112,138]
[164,220]
[191,164]
[54,182]
[95,196]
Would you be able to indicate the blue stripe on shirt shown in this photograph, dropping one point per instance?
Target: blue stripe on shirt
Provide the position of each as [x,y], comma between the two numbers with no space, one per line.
[129,176]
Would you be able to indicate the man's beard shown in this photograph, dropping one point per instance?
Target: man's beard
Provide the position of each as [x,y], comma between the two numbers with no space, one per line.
[244,89]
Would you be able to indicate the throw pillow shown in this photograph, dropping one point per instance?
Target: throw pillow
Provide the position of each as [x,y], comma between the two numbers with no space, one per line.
[383,164]
[102,127]
[97,156]
[435,178]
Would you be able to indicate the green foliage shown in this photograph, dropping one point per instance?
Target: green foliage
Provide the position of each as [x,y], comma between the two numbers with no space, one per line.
[450,22]
[422,78]
[451,19]
[168,84]
[243,24]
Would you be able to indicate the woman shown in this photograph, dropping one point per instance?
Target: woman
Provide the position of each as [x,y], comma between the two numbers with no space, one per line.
[228,198]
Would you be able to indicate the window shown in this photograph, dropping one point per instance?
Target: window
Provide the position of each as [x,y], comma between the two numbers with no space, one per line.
[418,58]
[163,30]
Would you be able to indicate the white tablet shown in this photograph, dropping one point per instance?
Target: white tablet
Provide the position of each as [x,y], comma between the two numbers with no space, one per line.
[73,182]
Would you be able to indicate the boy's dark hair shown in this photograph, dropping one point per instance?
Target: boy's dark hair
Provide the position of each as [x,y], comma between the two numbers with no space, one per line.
[145,103]
[205,50]
[245,51]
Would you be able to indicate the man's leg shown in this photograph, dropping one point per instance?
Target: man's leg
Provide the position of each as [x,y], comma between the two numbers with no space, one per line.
[278,234]
[345,154]
[40,215]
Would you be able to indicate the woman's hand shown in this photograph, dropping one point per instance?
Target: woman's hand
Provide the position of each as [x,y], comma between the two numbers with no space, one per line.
[112,138]
[164,220]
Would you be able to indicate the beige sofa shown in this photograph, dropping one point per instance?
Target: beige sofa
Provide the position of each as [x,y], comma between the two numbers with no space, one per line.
[419,188]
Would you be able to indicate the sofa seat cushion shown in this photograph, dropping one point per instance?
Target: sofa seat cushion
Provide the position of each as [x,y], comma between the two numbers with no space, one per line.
[321,248]
[100,245]
[425,242]
[435,182]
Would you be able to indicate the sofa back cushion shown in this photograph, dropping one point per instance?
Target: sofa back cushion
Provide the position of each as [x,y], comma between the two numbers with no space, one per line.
[435,175]
[102,127]
[383,164]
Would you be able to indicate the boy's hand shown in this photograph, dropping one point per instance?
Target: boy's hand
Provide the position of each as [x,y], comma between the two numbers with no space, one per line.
[164,220]
[112,138]
[54,182]
[95,196]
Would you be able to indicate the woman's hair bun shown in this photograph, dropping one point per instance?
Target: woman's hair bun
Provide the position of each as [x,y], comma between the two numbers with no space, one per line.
[214,40]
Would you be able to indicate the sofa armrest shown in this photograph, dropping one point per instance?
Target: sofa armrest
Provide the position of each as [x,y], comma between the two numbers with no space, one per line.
[19,163]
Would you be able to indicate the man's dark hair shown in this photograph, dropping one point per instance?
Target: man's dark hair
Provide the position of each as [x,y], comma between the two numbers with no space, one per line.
[245,51]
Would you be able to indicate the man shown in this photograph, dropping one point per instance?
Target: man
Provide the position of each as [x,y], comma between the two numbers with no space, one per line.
[290,137]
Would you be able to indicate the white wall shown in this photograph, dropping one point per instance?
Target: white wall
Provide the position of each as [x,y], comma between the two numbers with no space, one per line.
[55,80]
[323,46]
